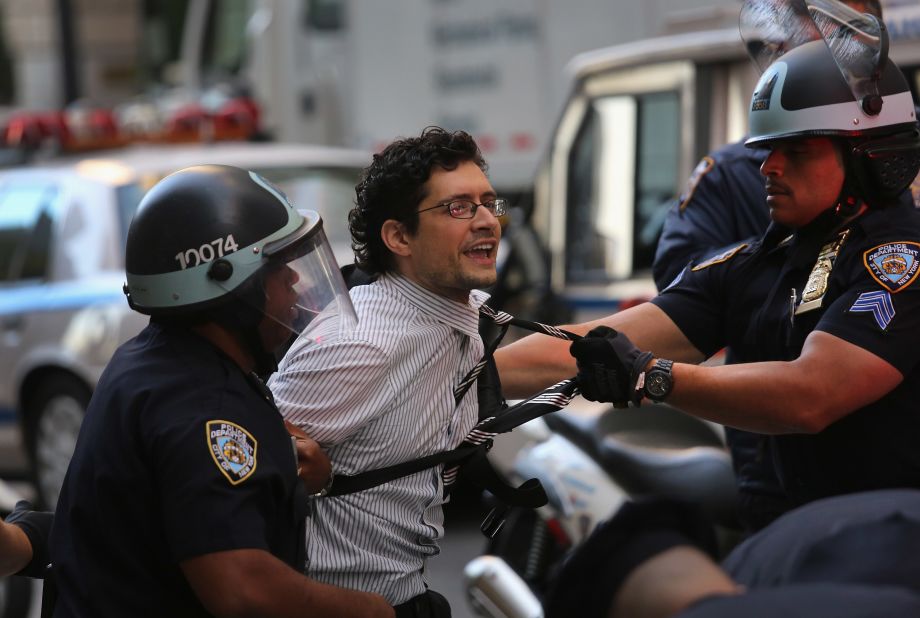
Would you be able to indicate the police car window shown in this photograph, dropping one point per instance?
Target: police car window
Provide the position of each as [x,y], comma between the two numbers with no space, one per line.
[26,218]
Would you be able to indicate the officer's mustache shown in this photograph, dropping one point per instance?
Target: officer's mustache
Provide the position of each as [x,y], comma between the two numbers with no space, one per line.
[775,187]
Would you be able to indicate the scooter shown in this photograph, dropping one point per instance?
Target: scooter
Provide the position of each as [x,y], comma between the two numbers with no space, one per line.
[589,459]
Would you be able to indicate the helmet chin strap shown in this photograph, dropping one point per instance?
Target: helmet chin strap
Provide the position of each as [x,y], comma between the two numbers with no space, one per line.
[265,361]
[849,201]
[243,316]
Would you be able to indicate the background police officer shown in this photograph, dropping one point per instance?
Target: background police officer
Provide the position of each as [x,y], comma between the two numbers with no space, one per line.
[183,496]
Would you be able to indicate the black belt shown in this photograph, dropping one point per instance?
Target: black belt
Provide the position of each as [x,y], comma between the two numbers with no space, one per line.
[429,604]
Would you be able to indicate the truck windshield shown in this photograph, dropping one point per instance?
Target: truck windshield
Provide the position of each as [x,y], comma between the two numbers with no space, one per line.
[622,172]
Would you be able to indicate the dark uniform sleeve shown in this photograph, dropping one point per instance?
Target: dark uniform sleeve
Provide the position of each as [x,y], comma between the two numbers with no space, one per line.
[724,202]
[224,475]
[822,540]
[803,600]
[696,301]
[876,313]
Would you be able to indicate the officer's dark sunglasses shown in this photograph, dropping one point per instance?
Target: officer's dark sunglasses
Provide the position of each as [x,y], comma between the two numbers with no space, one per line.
[466,209]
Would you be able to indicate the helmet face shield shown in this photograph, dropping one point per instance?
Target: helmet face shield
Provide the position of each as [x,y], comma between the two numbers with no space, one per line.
[302,282]
[829,74]
[858,42]
[770,28]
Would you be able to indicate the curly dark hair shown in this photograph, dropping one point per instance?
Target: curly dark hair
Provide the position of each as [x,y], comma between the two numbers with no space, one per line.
[393,185]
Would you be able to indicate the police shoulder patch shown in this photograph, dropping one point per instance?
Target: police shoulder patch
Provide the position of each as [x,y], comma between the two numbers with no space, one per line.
[233,449]
[894,265]
[702,168]
[718,258]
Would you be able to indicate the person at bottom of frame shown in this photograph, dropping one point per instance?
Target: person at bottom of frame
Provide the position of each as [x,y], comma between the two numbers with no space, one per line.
[853,556]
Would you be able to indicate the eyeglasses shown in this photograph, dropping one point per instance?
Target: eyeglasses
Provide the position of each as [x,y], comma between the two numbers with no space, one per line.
[466,209]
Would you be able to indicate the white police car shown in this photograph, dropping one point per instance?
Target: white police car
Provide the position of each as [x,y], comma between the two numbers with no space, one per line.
[62,311]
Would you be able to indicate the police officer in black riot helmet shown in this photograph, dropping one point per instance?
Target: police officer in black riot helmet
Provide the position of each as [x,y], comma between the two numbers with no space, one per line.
[183,496]
[725,203]
[822,311]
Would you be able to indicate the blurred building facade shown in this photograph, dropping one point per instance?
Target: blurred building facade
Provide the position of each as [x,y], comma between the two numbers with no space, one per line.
[343,72]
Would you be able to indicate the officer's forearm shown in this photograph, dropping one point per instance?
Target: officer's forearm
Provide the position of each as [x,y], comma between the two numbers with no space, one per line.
[831,379]
[249,582]
[690,576]
[539,361]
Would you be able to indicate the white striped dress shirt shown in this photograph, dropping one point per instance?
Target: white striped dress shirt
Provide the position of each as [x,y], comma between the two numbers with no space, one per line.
[376,396]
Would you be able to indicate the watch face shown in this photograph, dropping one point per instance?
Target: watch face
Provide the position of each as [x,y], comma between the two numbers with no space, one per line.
[657,384]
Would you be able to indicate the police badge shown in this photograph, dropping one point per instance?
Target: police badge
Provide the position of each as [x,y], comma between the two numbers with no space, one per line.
[233,450]
[894,264]
[816,286]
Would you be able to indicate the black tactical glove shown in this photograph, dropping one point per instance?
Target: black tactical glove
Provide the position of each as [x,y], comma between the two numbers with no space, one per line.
[609,366]
[591,577]
[37,526]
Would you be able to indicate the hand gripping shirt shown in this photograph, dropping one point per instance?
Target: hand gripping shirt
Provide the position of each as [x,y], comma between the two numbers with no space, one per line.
[744,298]
[376,396]
[180,455]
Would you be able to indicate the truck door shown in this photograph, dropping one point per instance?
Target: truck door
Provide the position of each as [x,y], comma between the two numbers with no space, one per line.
[619,152]
[626,142]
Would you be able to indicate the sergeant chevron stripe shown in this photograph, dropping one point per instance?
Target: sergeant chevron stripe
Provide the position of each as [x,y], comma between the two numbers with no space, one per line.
[879,304]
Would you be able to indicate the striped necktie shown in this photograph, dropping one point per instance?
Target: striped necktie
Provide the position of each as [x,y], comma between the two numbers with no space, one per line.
[550,400]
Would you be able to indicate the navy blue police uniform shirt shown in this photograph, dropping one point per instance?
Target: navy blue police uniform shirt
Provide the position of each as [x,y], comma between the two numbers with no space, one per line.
[180,455]
[725,201]
[848,556]
[742,299]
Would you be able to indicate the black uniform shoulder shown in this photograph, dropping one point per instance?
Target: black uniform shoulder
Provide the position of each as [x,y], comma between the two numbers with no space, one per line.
[732,167]
[887,246]
[726,255]
[737,153]
[900,220]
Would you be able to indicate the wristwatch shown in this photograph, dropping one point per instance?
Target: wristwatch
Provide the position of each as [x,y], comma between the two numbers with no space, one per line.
[659,381]
[325,490]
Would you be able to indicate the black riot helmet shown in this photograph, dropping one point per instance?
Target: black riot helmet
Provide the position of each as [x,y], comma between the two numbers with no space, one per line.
[840,85]
[204,238]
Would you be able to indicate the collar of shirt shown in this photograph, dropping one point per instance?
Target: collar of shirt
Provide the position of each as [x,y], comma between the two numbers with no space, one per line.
[460,316]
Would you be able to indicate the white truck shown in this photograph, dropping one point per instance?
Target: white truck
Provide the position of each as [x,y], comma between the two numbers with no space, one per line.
[359,73]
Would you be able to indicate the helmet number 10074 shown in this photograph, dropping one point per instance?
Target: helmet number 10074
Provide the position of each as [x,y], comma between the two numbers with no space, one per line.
[207,252]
